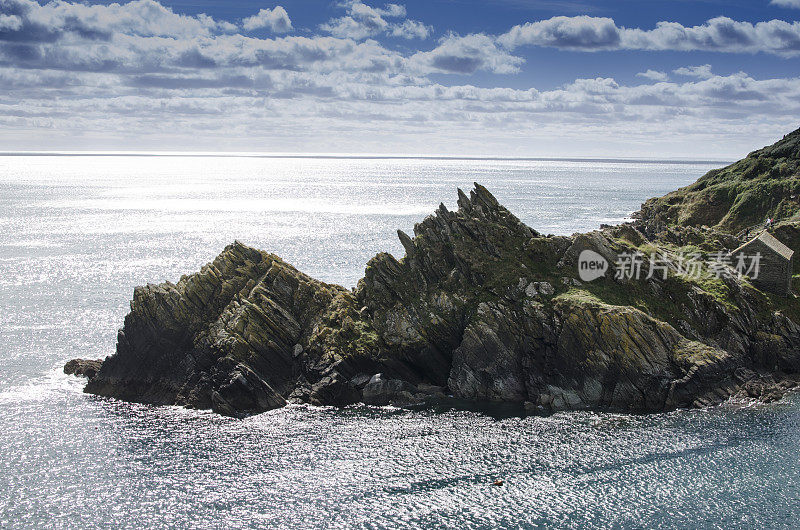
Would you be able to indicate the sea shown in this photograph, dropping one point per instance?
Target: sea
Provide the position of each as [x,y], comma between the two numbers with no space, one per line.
[79,232]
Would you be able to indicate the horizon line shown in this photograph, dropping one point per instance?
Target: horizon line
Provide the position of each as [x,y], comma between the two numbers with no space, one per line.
[366,156]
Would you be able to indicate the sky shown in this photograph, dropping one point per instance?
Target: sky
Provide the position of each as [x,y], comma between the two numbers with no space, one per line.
[703,79]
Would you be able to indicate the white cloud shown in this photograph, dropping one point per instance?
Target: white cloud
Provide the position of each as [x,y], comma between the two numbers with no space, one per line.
[334,111]
[786,3]
[361,10]
[363,21]
[10,23]
[28,21]
[702,71]
[572,33]
[720,34]
[654,75]
[465,55]
[349,27]
[358,113]
[276,20]
[410,29]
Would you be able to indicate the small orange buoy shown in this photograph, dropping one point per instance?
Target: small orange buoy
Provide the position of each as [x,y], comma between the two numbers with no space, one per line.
[498,482]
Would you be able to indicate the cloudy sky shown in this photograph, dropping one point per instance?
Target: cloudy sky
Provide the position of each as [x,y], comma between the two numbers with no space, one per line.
[643,78]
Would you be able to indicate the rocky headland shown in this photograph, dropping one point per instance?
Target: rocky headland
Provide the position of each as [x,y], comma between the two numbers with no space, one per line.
[483,309]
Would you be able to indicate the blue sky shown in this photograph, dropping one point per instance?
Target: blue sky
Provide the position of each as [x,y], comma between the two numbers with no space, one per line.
[650,78]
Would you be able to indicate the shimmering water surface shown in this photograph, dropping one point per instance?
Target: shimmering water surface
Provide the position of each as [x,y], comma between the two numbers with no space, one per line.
[78,233]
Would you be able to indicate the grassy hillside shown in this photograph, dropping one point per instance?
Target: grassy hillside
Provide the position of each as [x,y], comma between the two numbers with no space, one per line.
[765,184]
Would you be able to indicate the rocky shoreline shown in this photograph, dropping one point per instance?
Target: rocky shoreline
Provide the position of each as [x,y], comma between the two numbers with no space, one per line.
[482,308]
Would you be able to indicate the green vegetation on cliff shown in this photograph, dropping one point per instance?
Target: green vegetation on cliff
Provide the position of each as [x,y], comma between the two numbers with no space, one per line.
[765,184]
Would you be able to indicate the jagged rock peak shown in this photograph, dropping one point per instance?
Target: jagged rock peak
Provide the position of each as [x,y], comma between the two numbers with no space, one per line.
[479,207]
[406,241]
[482,204]
[484,197]
[463,200]
[478,197]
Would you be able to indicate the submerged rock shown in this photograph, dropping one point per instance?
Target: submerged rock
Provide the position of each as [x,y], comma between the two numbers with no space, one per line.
[481,308]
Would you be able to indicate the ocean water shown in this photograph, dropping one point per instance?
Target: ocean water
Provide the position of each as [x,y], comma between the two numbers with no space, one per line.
[79,232]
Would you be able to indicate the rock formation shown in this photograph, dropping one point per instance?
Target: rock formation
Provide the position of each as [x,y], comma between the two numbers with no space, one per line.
[83,367]
[482,308]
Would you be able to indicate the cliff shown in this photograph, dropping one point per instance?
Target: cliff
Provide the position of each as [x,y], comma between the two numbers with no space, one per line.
[764,184]
[481,308]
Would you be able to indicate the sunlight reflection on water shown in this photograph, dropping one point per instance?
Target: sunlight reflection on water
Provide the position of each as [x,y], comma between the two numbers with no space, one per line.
[79,233]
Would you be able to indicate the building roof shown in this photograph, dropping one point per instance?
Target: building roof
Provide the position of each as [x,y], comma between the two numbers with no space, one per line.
[770,241]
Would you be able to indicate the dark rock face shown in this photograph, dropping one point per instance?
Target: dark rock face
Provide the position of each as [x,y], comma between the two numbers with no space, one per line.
[481,308]
[230,337]
[768,388]
[382,391]
[82,367]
